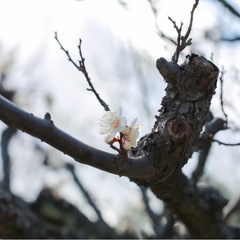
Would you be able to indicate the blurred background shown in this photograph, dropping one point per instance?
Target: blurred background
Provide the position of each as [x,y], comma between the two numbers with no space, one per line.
[122,39]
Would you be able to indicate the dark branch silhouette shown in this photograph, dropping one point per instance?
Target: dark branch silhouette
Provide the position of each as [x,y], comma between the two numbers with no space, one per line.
[159,31]
[230,8]
[82,68]
[156,163]
[183,41]
[226,144]
[46,131]
[221,96]
[204,143]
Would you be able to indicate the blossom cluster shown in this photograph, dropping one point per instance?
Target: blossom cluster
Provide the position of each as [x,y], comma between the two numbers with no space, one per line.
[114,126]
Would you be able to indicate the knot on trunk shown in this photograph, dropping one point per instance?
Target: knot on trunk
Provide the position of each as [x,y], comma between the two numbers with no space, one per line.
[177,129]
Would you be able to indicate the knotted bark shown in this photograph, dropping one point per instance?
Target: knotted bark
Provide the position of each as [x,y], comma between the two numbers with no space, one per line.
[158,160]
[184,111]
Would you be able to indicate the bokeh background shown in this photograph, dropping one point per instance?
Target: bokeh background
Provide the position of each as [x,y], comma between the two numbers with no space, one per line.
[121,42]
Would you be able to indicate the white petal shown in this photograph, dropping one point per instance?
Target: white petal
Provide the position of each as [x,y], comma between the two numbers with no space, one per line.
[127,145]
[119,112]
[134,135]
[126,130]
[103,131]
[112,134]
[107,139]
[122,124]
[133,123]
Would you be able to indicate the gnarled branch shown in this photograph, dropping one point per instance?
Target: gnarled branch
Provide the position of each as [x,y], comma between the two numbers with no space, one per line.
[46,131]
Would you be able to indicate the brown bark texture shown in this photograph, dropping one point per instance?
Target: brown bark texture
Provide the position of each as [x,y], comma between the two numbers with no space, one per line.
[159,157]
[183,114]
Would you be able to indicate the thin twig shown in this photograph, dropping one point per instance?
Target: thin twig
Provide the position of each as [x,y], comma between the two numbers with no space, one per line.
[71,169]
[191,20]
[179,44]
[82,68]
[161,230]
[183,41]
[230,8]
[155,218]
[159,32]
[230,39]
[221,96]
[226,144]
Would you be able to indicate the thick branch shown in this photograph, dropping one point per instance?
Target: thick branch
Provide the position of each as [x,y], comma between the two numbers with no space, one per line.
[183,114]
[6,137]
[199,209]
[204,144]
[46,131]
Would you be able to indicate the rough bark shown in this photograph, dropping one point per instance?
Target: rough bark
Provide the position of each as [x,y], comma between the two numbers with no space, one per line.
[158,160]
[183,114]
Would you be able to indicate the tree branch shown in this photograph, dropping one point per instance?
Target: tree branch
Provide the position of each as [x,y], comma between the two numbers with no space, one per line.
[163,152]
[199,209]
[159,32]
[87,196]
[221,96]
[82,68]
[204,144]
[7,134]
[230,7]
[183,41]
[184,112]
[226,144]
[46,131]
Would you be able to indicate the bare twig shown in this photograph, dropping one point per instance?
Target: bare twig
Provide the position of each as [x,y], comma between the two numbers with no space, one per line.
[191,20]
[155,218]
[221,96]
[183,41]
[159,32]
[71,169]
[230,39]
[82,68]
[161,230]
[226,144]
[104,226]
[230,8]
[179,44]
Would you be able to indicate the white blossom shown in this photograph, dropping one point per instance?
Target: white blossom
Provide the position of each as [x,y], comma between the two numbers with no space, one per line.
[111,123]
[127,145]
[134,133]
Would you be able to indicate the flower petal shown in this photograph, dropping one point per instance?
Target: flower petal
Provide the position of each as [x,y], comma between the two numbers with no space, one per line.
[133,123]
[122,124]
[127,145]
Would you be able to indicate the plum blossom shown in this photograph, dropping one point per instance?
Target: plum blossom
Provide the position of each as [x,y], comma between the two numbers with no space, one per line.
[127,145]
[131,134]
[111,123]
